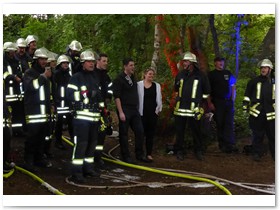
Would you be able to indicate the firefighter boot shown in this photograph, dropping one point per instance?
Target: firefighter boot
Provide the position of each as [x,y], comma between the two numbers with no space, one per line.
[77,174]
[89,171]
[98,162]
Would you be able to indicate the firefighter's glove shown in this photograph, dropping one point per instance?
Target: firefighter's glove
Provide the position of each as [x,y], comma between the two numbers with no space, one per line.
[102,125]
[198,113]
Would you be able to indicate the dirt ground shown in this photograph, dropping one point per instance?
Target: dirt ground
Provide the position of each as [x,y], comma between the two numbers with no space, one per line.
[235,174]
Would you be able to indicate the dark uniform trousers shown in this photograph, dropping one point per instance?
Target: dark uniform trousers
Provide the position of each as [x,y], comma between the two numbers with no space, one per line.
[195,126]
[59,126]
[100,142]
[6,143]
[223,116]
[34,144]
[133,119]
[85,138]
[261,126]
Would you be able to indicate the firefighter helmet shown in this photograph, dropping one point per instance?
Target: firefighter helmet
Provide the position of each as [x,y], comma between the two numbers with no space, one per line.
[21,42]
[62,58]
[190,57]
[265,62]
[41,53]
[87,55]
[75,45]
[9,46]
[31,38]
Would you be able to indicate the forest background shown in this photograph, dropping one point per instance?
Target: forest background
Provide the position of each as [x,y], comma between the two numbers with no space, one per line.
[159,41]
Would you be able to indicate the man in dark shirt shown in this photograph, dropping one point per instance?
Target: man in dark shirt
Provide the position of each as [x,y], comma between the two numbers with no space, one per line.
[222,104]
[126,98]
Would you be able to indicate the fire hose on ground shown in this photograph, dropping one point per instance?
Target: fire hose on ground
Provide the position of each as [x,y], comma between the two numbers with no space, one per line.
[170,172]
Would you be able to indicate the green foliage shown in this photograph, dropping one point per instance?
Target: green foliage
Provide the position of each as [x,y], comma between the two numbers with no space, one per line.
[121,35]
[241,118]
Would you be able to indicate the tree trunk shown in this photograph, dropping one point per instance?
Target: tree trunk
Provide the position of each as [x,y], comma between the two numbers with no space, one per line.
[214,35]
[195,47]
[157,36]
[267,48]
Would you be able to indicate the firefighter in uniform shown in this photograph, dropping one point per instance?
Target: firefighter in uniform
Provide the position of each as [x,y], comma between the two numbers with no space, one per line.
[191,87]
[222,96]
[51,64]
[13,87]
[37,110]
[106,93]
[84,94]
[6,136]
[73,51]
[61,79]
[21,55]
[259,101]
[31,42]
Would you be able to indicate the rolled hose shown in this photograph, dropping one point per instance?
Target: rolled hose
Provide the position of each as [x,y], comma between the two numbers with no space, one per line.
[45,184]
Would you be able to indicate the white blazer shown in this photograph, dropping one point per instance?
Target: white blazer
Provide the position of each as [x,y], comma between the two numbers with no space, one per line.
[140,86]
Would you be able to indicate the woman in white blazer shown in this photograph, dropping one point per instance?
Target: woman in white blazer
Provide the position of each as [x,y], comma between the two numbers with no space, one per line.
[150,104]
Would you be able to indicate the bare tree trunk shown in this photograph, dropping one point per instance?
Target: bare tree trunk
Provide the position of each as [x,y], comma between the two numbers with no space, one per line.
[155,57]
[214,35]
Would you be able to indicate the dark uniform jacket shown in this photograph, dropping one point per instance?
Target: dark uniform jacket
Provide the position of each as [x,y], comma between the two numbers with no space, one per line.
[10,71]
[83,92]
[61,79]
[192,88]
[37,95]
[260,96]
[25,62]
[105,83]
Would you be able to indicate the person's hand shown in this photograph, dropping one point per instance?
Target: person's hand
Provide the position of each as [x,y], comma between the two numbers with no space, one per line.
[211,106]
[122,117]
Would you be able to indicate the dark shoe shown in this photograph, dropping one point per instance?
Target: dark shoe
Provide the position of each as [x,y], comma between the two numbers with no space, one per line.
[257,157]
[199,156]
[59,146]
[43,163]
[91,173]
[77,178]
[144,159]
[180,156]
[100,165]
[129,160]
